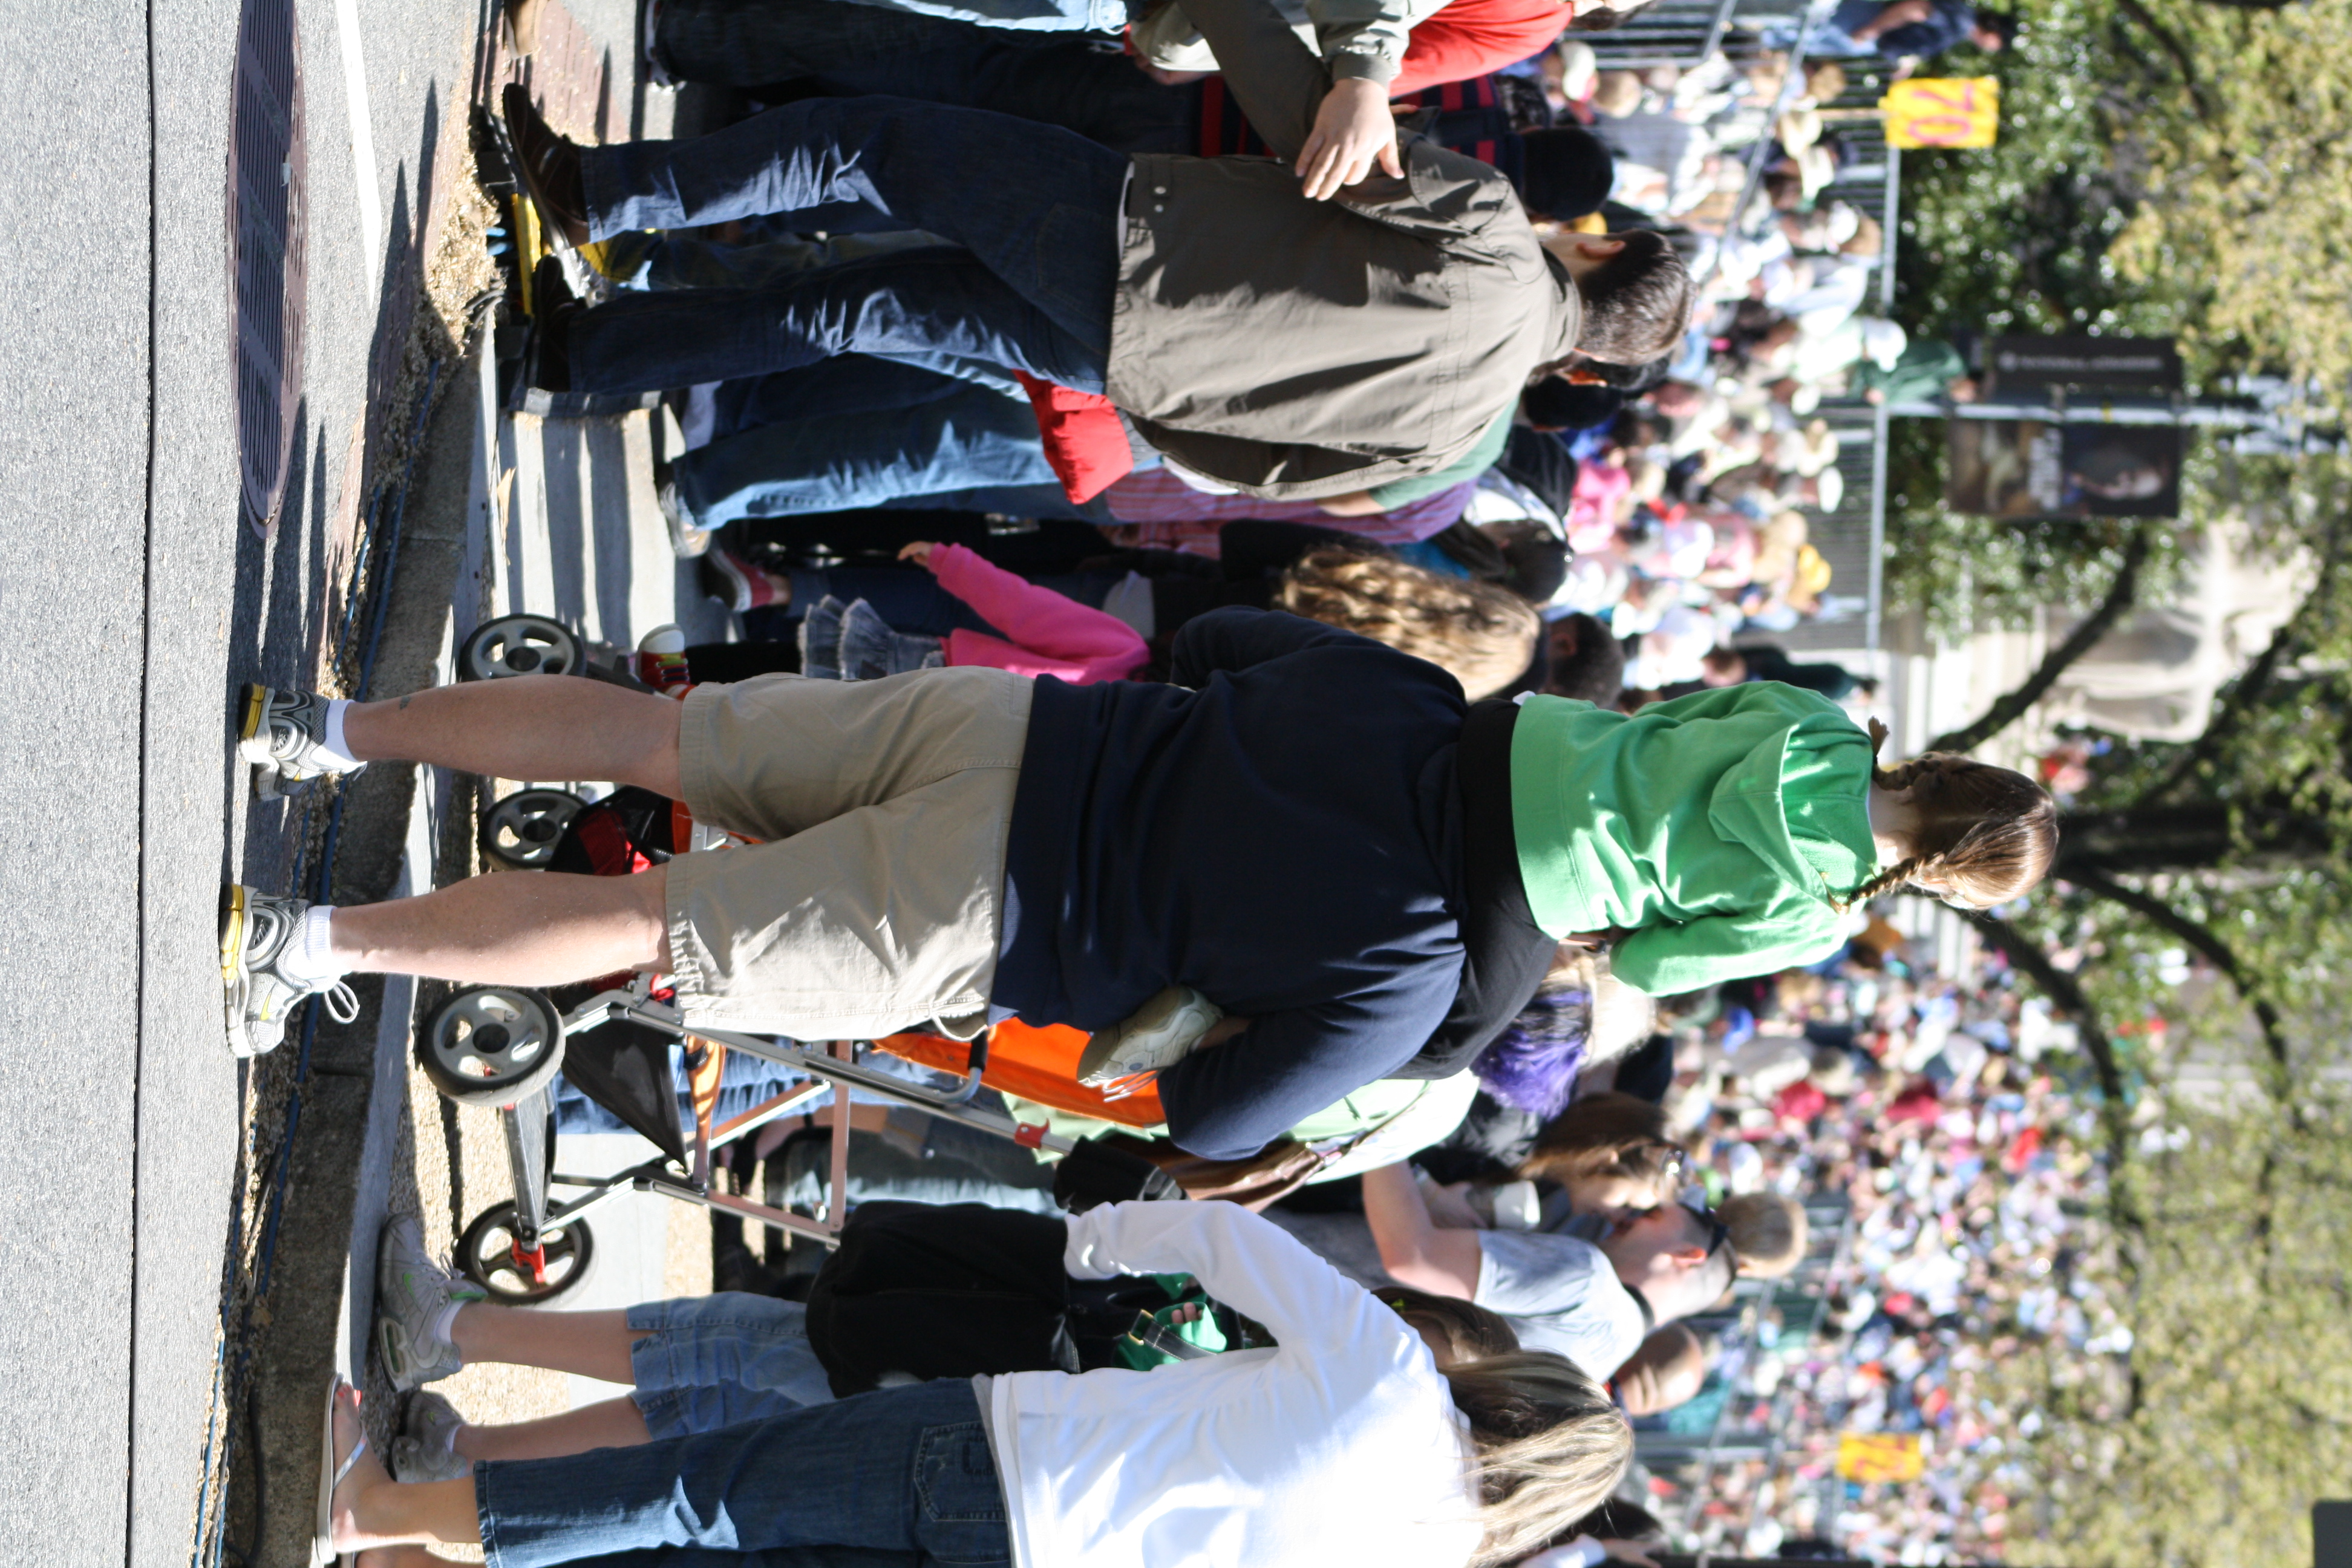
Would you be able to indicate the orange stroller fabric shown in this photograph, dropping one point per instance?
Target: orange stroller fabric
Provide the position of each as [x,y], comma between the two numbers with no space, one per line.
[1035,1064]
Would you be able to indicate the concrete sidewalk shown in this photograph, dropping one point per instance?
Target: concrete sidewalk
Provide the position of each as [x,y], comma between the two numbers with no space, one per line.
[507,513]
[179,1222]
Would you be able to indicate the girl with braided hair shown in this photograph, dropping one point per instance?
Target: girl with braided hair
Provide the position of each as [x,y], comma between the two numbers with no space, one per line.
[1973,835]
[1724,835]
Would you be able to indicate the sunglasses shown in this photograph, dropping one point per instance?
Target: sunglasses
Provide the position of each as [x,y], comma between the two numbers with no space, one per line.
[1718,1235]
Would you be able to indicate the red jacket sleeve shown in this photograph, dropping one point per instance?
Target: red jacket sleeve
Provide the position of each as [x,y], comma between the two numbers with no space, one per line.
[1468,39]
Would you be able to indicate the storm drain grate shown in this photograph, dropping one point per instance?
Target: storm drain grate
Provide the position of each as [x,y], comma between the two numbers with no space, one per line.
[266,225]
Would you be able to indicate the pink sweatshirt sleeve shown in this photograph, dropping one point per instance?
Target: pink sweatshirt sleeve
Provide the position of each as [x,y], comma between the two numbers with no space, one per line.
[1052,634]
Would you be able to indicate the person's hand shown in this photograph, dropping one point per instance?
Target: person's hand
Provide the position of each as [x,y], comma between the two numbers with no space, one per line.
[920,553]
[1353,131]
[1355,503]
[1224,1029]
[1626,1551]
[1166,78]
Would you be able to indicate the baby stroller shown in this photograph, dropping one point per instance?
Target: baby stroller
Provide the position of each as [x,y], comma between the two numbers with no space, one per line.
[504,1046]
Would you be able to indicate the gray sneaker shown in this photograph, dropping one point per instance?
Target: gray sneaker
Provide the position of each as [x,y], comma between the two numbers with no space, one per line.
[821,639]
[254,930]
[283,734]
[426,1449]
[412,1288]
[1163,1032]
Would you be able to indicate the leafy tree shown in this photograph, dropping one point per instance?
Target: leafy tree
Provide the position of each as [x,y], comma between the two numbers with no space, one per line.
[2166,167]
[2227,1144]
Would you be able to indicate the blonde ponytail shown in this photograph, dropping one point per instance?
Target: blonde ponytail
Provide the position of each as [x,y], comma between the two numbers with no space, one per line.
[1551,1446]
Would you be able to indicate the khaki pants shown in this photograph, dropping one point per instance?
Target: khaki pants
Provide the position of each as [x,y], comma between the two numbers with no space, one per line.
[874,904]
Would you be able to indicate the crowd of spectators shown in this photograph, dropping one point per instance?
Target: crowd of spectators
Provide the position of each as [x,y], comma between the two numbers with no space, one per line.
[1952,1168]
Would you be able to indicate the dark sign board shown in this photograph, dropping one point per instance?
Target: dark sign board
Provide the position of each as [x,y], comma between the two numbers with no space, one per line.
[2143,366]
[2331,1535]
[2033,467]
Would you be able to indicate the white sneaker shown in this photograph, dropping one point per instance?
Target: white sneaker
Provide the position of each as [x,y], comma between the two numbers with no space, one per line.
[284,735]
[254,931]
[1163,1032]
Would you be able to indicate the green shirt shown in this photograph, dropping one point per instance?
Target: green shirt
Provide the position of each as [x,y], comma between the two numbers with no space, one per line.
[1714,829]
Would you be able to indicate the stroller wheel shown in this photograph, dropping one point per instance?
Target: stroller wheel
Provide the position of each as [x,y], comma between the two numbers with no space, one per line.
[520,645]
[521,830]
[491,1044]
[487,1256]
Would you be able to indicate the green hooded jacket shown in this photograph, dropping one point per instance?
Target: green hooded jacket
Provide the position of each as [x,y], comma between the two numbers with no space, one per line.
[1714,829]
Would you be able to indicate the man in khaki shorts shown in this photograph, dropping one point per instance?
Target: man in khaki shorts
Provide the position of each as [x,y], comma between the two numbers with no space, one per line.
[1281,831]
[870,905]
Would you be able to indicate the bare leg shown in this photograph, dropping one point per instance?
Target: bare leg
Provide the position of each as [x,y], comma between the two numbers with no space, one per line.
[529,727]
[371,1509]
[591,1344]
[405,1557]
[608,1423]
[541,930]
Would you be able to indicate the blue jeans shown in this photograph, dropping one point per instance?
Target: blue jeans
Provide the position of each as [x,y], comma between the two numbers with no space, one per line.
[1036,209]
[856,432]
[750,43]
[904,1470]
[721,1359]
[953,1165]
[854,49]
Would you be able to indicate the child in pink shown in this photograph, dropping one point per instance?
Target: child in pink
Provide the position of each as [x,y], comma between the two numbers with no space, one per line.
[1045,633]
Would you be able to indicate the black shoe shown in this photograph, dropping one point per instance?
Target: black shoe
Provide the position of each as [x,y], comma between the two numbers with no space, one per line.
[545,167]
[546,354]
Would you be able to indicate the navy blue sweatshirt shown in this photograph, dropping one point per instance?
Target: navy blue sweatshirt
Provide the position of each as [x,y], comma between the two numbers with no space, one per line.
[1286,837]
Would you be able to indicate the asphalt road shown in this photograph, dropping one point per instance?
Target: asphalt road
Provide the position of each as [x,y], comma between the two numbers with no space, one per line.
[136,597]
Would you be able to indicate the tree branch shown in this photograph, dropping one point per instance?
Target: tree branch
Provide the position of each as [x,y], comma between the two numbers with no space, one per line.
[2012,706]
[2234,708]
[2059,987]
[2067,993]
[2173,47]
[2205,941]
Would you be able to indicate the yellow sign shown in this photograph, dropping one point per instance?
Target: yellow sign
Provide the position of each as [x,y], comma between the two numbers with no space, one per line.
[1946,111]
[1880,1457]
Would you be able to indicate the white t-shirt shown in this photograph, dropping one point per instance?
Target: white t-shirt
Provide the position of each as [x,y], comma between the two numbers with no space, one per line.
[1560,1294]
[1342,1445]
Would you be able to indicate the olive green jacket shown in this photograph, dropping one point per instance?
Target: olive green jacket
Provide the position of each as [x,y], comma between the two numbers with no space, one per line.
[1297,348]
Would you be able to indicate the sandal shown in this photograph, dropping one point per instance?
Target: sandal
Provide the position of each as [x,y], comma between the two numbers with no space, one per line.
[331,1475]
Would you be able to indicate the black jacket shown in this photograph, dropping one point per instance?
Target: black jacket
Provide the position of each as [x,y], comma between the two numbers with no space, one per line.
[1284,829]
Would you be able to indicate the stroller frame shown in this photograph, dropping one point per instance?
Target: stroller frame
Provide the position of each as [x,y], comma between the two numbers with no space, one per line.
[540,1219]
